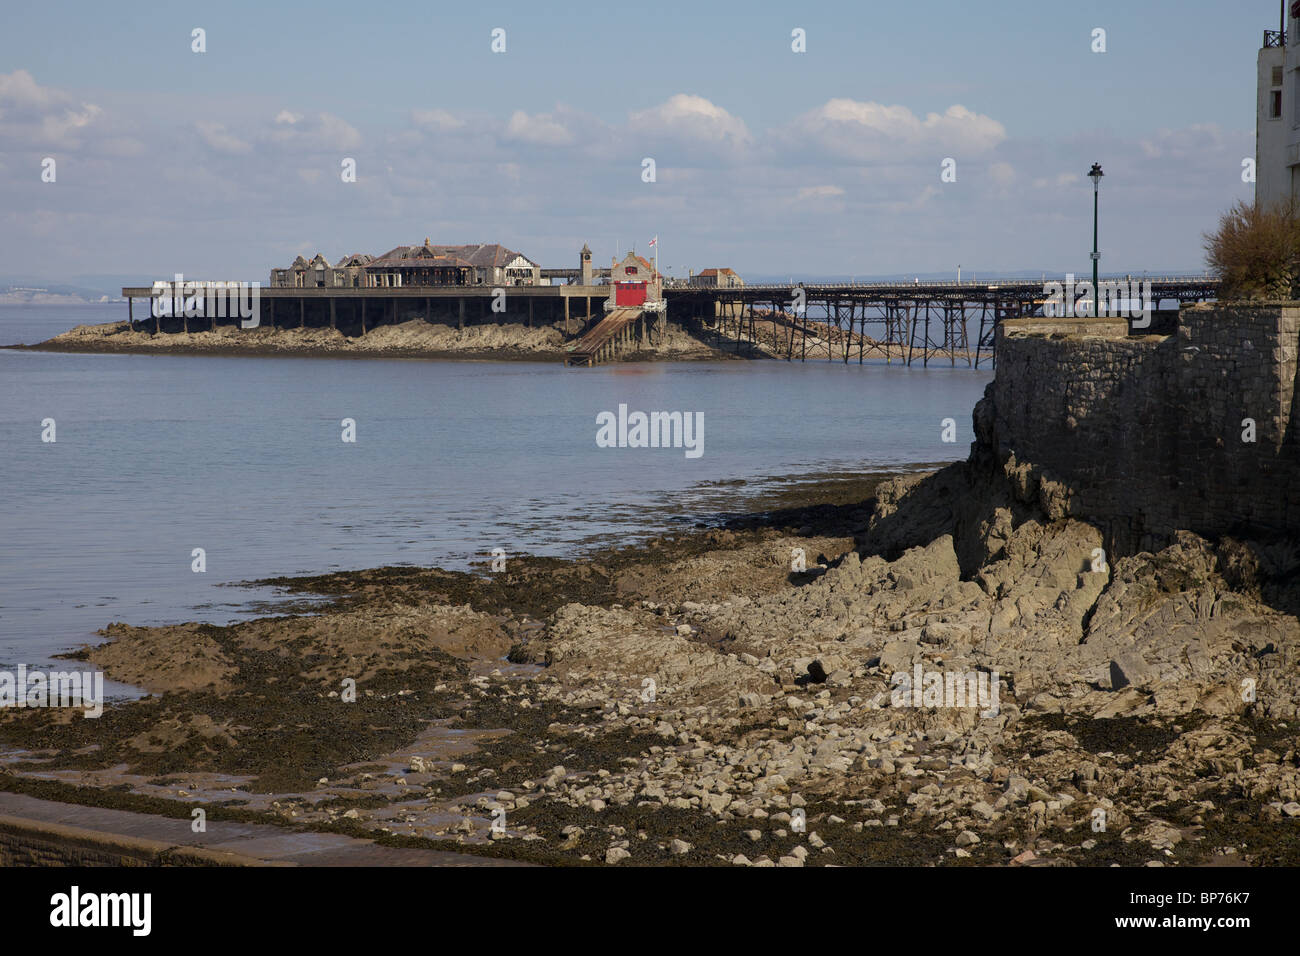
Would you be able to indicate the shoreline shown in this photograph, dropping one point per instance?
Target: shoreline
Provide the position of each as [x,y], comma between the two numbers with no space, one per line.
[770,693]
[495,355]
[413,339]
[512,343]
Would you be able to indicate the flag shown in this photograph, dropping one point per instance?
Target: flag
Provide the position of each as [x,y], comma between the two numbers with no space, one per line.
[654,241]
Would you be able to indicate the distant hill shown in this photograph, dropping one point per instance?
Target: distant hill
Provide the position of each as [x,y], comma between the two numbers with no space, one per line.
[69,290]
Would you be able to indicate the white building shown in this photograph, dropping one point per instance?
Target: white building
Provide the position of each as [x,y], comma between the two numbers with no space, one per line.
[1277,110]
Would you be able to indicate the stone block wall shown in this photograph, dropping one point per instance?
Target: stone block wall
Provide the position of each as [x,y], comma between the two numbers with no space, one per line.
[1143,435]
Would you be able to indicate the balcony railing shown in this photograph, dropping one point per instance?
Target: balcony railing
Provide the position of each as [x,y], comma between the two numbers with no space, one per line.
[1274,38]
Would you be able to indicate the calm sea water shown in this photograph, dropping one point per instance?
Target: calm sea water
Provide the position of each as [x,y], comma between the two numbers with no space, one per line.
[158,455]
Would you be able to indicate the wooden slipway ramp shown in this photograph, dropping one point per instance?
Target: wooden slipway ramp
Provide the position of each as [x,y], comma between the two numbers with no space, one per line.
[603,339]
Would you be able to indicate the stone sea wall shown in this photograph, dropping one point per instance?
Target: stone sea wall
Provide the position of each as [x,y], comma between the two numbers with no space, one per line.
[1147,435]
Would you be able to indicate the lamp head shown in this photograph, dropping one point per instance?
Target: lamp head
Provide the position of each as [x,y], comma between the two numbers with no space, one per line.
[1095,175]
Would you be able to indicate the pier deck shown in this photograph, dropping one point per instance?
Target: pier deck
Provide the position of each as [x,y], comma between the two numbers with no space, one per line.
[904,320]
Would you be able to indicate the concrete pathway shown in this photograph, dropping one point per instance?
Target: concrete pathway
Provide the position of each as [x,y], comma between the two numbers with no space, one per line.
[254,844]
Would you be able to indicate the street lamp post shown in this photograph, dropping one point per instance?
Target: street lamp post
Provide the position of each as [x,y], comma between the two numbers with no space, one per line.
[1095,175]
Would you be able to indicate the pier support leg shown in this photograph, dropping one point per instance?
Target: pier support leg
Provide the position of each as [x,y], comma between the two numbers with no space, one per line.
[333,317]
[566,314]
[530,313]
[848,332]
[862,331]
[130,312]
[830,349]
[460,315]
[302,313]
[925,355]
[363,315]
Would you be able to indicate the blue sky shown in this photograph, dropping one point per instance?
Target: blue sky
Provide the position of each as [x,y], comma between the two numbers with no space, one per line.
[225,163]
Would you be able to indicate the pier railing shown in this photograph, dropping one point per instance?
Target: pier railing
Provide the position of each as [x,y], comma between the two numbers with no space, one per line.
[902,285]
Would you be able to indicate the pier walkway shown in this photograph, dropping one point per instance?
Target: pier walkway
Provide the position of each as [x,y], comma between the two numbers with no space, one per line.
[911,321]
[907,321]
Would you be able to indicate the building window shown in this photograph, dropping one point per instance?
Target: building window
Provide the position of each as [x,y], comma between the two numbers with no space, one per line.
[1275,105]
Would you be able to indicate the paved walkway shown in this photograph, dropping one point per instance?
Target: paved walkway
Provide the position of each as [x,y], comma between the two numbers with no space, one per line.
[255,843]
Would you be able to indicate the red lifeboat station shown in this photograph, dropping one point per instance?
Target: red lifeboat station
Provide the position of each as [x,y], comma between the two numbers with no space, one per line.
[636,283]
[634,312]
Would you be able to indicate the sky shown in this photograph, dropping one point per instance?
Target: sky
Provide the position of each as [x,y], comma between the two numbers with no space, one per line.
[831,160]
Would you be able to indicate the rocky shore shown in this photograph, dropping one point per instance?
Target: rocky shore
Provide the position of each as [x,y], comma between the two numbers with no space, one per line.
[732,696]
[412,339]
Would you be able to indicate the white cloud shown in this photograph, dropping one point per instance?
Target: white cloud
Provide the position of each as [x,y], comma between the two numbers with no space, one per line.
[898,205]
[540,130]
[1190,141]
[439,121]
[323,132]
[221,139]
[19,89]
[40,117]
[1057,181]
[691,118]
[858,130]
